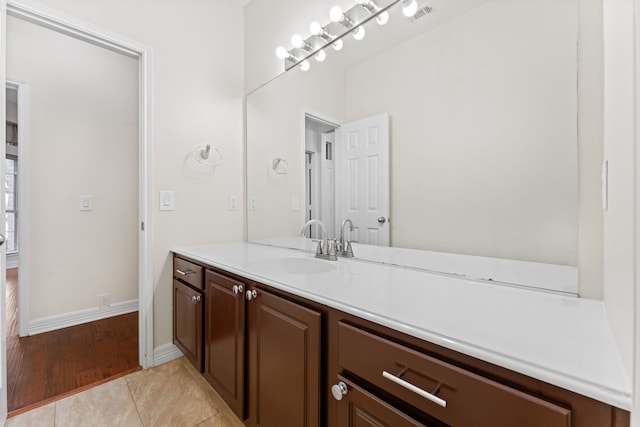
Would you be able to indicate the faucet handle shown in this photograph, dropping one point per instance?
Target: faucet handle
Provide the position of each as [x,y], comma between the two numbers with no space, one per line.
[348,251]
[331,249]
[319,248]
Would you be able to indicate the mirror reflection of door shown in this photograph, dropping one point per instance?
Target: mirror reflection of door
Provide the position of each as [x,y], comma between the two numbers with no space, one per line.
[364,178]
[347,177]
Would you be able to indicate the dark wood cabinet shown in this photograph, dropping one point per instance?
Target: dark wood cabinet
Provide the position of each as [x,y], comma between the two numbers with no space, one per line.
[284,362]
[359,408]
[187,322]
[224,339]
[188,301]
[440,390]
[274,356]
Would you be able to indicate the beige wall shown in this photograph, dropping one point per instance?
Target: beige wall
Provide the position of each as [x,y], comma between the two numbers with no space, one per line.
[82,127]
[620,151]
[197,98]
[279,132]
[484,152]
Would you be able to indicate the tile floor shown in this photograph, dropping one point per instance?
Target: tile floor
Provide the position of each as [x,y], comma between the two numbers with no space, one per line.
[173,394]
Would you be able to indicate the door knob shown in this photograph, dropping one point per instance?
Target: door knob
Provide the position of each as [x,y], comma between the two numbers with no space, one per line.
[382,220]
[2,239]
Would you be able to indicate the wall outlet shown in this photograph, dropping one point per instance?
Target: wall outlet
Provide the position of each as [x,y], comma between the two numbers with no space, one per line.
[104,300]
[86,202]
[252,203]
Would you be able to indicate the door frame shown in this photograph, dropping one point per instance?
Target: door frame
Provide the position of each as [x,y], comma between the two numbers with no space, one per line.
[24,210]
[332,121]
[81,30]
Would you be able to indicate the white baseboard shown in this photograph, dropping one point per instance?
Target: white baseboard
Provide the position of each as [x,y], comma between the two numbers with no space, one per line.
[52,323]
[165,353]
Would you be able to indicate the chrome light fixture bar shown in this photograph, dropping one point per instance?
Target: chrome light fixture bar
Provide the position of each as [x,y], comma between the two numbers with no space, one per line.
[373,7]
[304,49]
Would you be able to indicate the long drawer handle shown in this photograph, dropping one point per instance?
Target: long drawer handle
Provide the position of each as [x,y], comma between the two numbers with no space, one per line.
[185,273]
[417,390]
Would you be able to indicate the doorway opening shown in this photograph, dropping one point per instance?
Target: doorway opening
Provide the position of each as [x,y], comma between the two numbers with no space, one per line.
[51,355]
[320,174]
[80,30]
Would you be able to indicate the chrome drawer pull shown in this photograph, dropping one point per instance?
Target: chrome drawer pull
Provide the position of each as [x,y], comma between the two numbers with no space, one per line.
[185,273]
[417,390]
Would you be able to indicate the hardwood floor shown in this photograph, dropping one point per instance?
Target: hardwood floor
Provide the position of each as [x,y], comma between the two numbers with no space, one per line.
[43,367]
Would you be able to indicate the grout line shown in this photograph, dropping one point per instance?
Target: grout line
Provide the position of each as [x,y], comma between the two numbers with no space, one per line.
[135,402]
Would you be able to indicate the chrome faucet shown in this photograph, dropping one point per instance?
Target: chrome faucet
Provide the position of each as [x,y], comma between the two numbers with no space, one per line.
[326,248]
[345,249]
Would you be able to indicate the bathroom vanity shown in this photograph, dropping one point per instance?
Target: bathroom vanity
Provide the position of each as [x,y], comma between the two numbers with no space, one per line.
[289,340]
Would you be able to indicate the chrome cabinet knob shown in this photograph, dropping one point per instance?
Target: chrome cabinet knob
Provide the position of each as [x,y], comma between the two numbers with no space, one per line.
[237,289]
[195,299]
[339,390]
[251,295]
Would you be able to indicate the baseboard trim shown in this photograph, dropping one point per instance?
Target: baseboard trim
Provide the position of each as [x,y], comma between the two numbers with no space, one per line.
[52,323]
[165,353]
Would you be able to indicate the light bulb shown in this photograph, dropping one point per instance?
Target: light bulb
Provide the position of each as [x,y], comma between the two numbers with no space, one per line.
[336,14]
[297,40]
[315,28]
[282,52]
[304,65]
[383,18]
[321,55]
[409,8]
[358,33]
[337,45]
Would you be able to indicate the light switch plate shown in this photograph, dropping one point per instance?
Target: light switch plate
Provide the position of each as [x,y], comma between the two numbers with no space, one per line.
[86,202]
[233,203]
[253,203]
[295,203]
[167,201]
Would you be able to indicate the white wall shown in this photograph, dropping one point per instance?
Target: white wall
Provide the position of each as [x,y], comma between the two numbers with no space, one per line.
[197,98]
[484,152]
[619,151]
[83,128]
[280,132]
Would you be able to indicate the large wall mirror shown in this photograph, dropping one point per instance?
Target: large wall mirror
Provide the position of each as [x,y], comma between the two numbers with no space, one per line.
[481,101]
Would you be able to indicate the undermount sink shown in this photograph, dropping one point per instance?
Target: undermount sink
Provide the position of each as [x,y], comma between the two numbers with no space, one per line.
[298,265]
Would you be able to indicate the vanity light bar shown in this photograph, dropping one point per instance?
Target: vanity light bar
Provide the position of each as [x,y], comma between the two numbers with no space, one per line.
[306,48]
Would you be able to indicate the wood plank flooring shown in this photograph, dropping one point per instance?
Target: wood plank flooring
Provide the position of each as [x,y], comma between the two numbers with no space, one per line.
[43,367]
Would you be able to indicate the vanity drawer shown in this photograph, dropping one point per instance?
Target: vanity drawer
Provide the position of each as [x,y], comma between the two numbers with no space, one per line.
[451,394]
[188,272]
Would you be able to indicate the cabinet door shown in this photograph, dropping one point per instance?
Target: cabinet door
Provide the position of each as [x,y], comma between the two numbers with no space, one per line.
[284,362]
[187,322]
[224,340]
[359,408]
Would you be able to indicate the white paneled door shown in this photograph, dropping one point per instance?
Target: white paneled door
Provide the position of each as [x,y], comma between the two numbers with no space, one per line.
[364,181]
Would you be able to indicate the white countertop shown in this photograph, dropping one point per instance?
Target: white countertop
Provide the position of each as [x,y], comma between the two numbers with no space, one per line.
[562,340]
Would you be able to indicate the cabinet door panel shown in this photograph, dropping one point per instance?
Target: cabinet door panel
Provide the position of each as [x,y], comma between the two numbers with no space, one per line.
[224,342]
[359,408]
[187,322]
[284,343]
